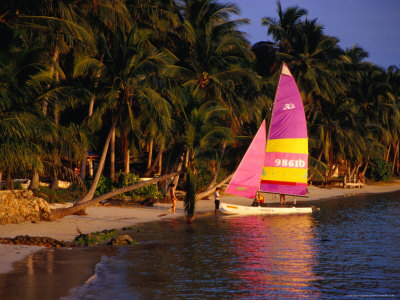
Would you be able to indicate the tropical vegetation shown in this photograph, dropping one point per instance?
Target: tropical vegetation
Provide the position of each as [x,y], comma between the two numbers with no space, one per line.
[155,87]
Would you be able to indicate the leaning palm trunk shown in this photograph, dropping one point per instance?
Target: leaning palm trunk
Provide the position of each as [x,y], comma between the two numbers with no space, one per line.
[396,153]
[388,153]
[219,163]
[153,165]
[354,170]
[96,179]
[210,191]
[62,212]
[365,168]
[178,168]
[190,197]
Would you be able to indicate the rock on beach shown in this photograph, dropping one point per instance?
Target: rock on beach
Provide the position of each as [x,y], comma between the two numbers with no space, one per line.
[22,206]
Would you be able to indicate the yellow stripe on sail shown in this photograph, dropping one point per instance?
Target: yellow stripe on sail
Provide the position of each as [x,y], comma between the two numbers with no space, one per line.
[288,145]
[284,174]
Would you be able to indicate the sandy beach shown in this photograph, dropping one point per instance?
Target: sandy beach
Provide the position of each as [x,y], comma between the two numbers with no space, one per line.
[99,218]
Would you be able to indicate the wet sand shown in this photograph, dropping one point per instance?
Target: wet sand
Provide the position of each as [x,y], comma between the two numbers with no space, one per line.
[100,218]
[51,273]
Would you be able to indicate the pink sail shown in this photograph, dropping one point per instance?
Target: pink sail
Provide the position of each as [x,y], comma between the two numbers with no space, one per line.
[286,156]
[246,180]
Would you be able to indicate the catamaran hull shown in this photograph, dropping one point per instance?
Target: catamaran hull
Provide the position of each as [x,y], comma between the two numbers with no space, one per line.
[233,209]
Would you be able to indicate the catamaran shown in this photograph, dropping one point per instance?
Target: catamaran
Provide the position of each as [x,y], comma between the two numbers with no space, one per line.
[278,163]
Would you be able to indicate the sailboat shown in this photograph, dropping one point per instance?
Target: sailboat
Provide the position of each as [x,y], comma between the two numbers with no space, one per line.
[278,163]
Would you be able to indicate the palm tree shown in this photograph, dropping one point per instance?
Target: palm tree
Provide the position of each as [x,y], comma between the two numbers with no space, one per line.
[216,61]
[285,28]
[393,79]
[25,131]
[129,63]
[58,27]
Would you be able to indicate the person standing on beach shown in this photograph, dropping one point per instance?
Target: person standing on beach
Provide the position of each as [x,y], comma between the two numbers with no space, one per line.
[173,197]
[217,199]
[283,199]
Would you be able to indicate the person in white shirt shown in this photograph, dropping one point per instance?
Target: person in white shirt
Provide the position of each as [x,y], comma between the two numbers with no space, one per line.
[217,198]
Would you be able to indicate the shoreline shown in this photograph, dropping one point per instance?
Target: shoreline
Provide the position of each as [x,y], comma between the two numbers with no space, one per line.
[100,218]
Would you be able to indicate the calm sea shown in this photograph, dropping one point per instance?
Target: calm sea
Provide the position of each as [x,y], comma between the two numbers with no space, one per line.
[350,250]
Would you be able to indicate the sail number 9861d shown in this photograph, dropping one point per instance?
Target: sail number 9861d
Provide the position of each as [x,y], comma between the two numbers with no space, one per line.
[294,163]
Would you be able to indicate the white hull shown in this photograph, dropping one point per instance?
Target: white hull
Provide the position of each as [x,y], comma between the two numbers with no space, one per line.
[233,209]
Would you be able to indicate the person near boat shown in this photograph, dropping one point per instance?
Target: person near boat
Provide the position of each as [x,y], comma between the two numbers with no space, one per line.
[258,199]
[173,197]
[217,199]
[282,199]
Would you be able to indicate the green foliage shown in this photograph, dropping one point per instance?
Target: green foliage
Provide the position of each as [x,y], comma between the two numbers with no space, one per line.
[205,174]
[147,192]
[132,228]
[17,185]
[104,185]
[128,228]
[58,196]
[122,180]
[380,170]
[95,238]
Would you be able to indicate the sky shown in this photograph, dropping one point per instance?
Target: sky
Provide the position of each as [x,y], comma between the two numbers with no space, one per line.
[374,25]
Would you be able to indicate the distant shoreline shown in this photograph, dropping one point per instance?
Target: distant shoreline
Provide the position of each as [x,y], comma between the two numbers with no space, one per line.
[100,218]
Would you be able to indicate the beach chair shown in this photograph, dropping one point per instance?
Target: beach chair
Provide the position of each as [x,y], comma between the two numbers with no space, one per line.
[352,182]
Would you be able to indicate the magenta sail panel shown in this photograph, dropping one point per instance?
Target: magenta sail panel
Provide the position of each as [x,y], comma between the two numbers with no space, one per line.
[297,190]
[246,180]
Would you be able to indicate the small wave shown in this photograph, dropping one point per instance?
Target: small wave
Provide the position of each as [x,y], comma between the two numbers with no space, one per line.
[108,282]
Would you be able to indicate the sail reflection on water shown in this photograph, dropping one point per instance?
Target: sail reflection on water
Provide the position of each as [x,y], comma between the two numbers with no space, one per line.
[275,252]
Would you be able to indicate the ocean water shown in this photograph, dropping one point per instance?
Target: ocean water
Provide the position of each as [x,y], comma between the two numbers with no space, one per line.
[350,250]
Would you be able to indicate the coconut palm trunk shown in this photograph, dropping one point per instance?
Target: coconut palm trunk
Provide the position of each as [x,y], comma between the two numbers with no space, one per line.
[100,168]
[153,165]
[90,113]
[62,212]
[150,145]
[219,162]
[178,168]
[34,181]
[112,156]
[208,192]
[396,153]
[56,114]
